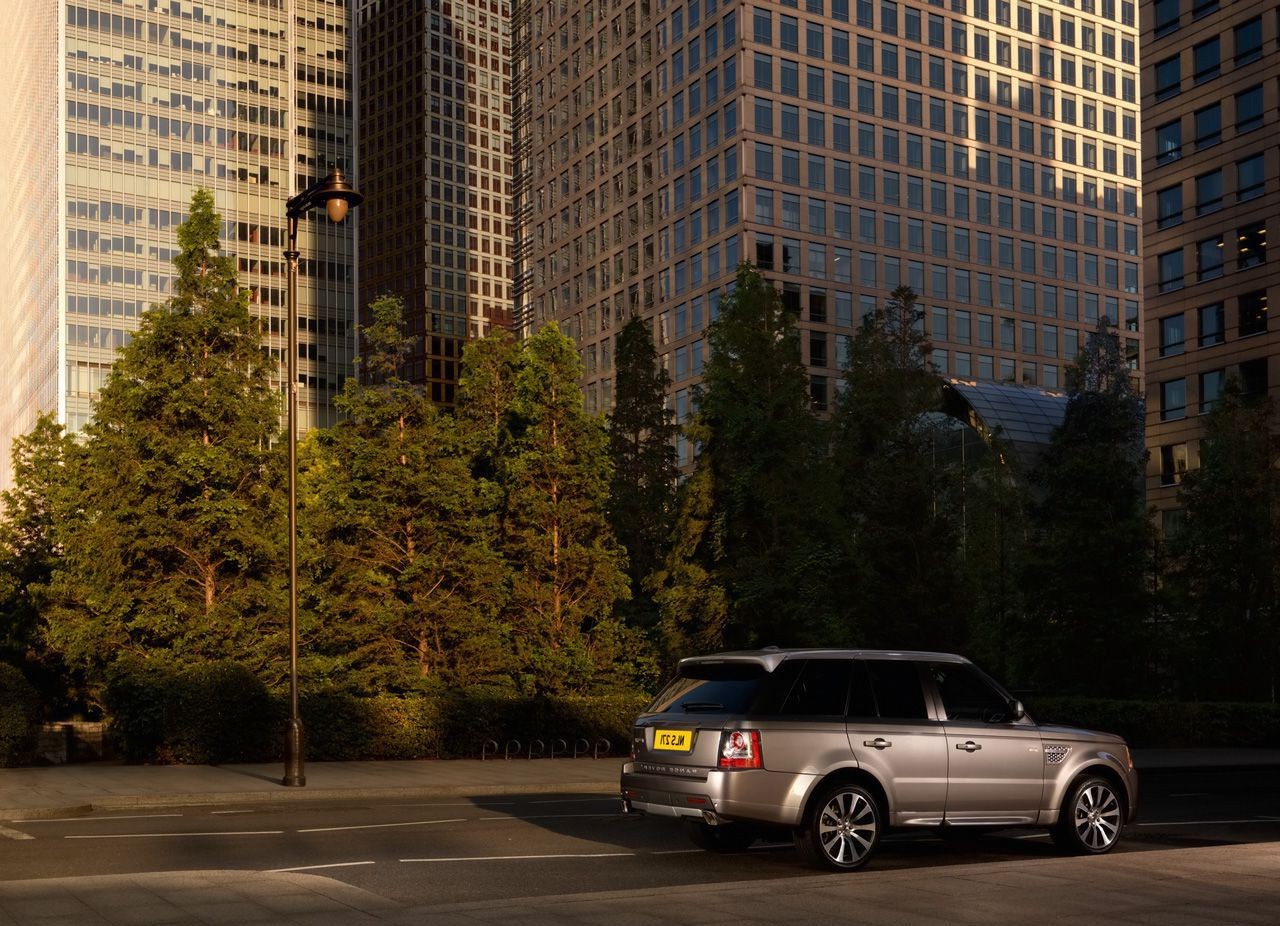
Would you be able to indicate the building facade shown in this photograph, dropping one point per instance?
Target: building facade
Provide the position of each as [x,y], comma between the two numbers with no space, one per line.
[1212,187]
[435,167]
[984,152]
[123,108]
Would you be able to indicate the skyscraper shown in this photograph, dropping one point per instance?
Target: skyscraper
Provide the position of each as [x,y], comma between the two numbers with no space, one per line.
[984,153]
[435,167]
[1211,168]
[118,110]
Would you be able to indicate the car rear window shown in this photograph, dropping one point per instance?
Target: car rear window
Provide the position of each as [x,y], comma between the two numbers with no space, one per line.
[719,688]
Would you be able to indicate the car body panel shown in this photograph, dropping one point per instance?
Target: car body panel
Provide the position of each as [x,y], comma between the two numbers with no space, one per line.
[909,760]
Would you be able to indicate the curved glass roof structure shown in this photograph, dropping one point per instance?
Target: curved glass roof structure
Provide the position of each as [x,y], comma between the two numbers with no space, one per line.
[1021,418]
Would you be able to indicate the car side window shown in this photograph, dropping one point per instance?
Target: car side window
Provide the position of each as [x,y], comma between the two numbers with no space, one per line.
[966,695]
[896,685]
[822,689]
[862,700]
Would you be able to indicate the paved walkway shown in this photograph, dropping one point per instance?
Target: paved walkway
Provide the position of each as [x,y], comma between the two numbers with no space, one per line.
[1182,887]
[63,790]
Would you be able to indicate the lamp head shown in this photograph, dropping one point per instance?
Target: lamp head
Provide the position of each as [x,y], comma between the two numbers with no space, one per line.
[337,195]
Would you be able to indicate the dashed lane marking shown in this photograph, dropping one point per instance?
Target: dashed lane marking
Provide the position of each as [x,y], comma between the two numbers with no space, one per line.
[132,816]
[178,835]
[315,867]
[14,834]
[514,858]
[1211,822]
[377,826]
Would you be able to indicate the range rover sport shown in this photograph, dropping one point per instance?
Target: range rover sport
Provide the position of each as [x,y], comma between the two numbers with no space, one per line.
[839,745]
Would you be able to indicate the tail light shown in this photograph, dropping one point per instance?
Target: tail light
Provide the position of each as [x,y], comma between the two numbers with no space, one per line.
[740,749]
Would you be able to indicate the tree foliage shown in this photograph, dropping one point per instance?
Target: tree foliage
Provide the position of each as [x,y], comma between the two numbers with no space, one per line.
[406,574]
[642,452]
[1085,583]
[1227,555]
[173,550]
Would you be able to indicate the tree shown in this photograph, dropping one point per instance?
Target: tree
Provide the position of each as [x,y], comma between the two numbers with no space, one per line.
[176,550]
[569,571]
[642,451]
[408,579]
[1226,556]
[1085,583]
[486,398]
[900,581]
[43,463]
[758,524]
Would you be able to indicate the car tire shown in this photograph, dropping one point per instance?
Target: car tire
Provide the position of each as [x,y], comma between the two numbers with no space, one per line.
[1091,818]
[842,828]
[723,838]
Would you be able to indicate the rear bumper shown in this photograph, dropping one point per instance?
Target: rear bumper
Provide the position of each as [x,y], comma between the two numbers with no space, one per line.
[757,795]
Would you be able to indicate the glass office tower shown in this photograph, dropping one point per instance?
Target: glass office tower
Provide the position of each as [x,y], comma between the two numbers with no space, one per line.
[984,152]
[126,106]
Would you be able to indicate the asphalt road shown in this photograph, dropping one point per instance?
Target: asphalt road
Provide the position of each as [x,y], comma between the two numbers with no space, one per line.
[446,851]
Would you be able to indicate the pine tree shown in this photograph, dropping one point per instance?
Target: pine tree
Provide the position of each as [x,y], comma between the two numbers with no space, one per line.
[408,580]
[1228,553]
[899,582]
[177,552]
[642,450]
[486,398]
[760,475]
[569,571]
[1085,584]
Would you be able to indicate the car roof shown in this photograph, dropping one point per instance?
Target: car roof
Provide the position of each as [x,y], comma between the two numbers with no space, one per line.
[771,657]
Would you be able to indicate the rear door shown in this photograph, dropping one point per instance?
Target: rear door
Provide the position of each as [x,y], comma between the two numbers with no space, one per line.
[995,771]
[895,737]
[802,716]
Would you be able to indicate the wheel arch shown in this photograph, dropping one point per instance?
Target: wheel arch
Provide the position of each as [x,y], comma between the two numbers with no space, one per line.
[1100,769]
[849,774]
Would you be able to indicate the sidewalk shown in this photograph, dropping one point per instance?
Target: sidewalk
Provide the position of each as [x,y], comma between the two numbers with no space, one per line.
[1177,887]
[65,790]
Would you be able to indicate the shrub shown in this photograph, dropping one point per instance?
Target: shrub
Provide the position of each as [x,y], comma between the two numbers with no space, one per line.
[19,718]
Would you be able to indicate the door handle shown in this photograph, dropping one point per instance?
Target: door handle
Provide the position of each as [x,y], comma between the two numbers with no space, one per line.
[968,746]
[879,743]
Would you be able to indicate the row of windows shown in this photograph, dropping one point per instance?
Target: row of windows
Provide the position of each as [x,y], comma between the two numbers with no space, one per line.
[1249,244]
[1211,324]
[1206,59]
[1250,183]
[1206,126]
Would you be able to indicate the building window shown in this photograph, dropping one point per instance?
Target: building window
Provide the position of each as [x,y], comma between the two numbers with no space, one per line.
[1208,126]
[1206,60]
[1172,335]
[1249,110]
[1168,142]
[1248,44]
[1209,258]
[1252,245]
[1173,400]
[1250,179]
[1253,378]
[1170,270]
[1212,325]
[1209,192]
[1253,313]
[1173,463]
[1211,383]
[764,252]
[1167,16]
[1169,206]
[1168,78]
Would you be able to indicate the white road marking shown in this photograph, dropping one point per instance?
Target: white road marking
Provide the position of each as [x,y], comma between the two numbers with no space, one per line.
[135,816]
[230,811]
[14,834]
[511,858]
[677,851]
[1211,822]
[377,826]
[314,867]
[162,835]
[555,816]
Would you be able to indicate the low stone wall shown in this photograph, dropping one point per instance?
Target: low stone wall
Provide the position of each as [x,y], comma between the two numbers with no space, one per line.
[72,741]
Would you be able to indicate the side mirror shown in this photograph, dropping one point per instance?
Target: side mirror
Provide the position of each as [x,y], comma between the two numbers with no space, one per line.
[1016,710]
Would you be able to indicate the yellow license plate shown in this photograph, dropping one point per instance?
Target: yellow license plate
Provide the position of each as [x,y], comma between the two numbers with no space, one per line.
[673,740]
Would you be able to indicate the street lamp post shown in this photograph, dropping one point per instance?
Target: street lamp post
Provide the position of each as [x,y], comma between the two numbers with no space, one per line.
[336,195]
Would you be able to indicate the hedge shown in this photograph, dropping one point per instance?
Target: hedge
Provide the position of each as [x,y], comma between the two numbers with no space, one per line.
[19,718]
[1167,724]
[222,713]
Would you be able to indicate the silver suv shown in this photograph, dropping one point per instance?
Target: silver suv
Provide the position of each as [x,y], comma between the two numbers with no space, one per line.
[839,745]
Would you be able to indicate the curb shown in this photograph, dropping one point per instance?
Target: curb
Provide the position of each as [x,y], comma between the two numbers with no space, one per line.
[296,796]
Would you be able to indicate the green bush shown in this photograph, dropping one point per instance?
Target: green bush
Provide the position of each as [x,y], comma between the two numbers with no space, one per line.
[19,718]
[219,712]
[1168,724]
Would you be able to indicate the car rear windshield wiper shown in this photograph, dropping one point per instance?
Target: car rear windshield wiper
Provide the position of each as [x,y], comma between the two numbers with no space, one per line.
[701,706]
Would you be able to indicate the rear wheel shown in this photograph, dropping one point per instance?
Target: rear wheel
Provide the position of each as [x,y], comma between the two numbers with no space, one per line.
[1091,818]
[723,838]
[842,828]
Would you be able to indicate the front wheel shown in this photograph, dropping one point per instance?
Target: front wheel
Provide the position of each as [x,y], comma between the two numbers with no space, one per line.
[1091,818]
[723,838]
[842,828]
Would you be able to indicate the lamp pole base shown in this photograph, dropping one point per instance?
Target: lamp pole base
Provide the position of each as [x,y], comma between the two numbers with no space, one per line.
[294,750]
